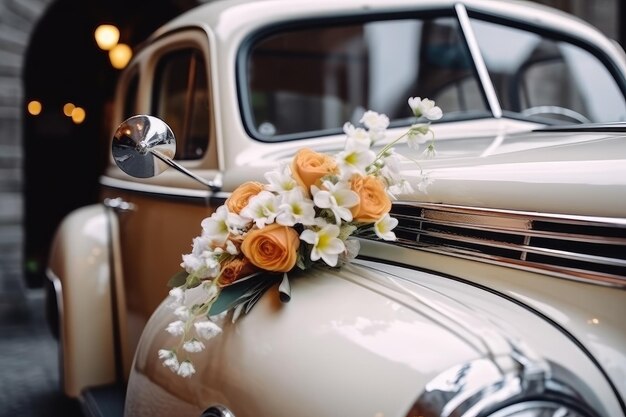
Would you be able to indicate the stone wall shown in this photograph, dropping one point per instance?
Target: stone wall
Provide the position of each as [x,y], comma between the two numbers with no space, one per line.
[17,20]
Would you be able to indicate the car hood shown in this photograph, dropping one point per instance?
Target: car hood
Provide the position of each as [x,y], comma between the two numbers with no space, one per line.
[364,337]
[554,172]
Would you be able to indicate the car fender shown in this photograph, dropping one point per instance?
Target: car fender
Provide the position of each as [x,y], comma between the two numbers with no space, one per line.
[80,270]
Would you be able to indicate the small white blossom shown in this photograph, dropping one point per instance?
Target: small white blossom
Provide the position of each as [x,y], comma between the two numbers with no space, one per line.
[193,346]
[170,361]
[384,226]
[425,107]
[357,134]
[204,264]
[353,246]
[215,227]
[231,248]
[338,198]
[295,208]
[325,243]
[262,209]
[207,329]
[354,159]
[375,121]
[186,369]
[177,294]
[430,152]
[280,180]
[182,312]
[166,354]
[417,135]
[176,328]
[401,187]
[424,182]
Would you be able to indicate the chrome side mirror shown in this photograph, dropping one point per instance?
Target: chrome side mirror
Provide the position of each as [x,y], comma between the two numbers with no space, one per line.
[138,141]
[143,146]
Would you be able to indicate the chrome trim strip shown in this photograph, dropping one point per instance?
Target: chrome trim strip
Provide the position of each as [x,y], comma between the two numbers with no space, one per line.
[599,268]
[533,215]
[530,249]
[160,189]
[481,68]
[528,233]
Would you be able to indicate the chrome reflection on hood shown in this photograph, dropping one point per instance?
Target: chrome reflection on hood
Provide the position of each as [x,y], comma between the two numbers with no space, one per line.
[511,380]
[481,389]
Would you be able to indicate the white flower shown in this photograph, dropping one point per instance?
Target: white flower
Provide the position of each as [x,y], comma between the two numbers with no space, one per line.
[231,248]
[356,133]
[280,180]
[417,135]
[295,208]
[354,159]
[353,246]
[203,264]
[176,328]
[166,354]
[207,329]
[425,107]
[424,183]
[384,226]
[215,227]
[186,369]
[177,294]
[169,359]
[338,198]
[375,121]
[325,243]
[262,208]
[401,187]
[430,152]
[182,312]
[193,346]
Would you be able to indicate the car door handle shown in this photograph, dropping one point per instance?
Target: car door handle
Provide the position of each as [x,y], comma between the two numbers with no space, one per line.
[119,205]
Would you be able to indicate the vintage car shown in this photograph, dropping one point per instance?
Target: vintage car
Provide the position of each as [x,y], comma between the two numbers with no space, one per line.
[504,292]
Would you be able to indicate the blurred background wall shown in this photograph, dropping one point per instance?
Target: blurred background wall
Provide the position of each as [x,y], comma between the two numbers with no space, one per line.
[56,87]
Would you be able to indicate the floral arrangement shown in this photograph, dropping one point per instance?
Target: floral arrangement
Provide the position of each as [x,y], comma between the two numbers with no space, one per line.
[306,214]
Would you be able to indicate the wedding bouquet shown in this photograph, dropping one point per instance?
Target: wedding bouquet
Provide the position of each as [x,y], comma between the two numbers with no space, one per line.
[306,214]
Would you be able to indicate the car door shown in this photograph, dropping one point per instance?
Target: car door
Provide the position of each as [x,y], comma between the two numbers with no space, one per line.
[157,216]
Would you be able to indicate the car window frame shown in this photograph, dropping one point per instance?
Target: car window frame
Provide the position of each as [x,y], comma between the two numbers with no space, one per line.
[170,42]
[245,48]
[554,35]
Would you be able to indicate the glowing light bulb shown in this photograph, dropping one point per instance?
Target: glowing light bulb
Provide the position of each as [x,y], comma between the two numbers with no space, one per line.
[107,36]
[34,107]
[78,115]
[120,55]
[68,108]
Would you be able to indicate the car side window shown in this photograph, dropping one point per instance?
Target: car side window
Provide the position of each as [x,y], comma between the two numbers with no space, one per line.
[181,98]
[549,80]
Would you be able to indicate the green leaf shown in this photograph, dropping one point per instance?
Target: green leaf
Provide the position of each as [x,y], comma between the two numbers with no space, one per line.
[180,278]
[239,292]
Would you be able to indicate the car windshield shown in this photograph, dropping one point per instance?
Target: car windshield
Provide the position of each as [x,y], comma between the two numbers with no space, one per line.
[548,80]
[307,82]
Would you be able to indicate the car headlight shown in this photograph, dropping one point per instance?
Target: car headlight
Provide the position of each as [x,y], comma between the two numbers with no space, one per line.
[483,388]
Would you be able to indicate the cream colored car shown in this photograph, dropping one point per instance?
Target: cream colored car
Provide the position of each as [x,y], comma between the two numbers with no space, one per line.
[504,294]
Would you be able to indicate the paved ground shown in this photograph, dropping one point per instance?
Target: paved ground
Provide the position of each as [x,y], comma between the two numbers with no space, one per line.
[29,378]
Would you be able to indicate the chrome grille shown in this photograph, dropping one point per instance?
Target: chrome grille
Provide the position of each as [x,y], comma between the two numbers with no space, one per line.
[584,248]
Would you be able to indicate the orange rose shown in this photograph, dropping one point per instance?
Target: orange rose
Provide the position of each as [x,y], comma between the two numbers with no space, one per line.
[234,269]
[374,202]
[308,167]
[242,194]
[273,248]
